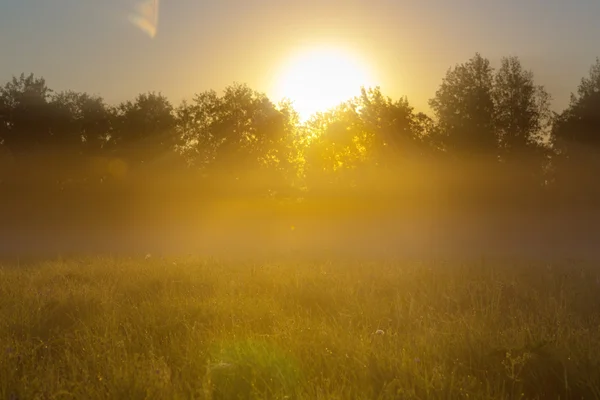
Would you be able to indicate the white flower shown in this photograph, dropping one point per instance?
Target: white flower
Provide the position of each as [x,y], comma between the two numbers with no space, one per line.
[379,332]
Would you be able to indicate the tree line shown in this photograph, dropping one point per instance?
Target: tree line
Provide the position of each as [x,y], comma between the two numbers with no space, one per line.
[491,138]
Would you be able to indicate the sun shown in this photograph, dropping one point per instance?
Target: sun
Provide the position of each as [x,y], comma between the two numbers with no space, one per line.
[317,79]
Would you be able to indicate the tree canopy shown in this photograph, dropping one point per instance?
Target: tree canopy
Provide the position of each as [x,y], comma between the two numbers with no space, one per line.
[484,120]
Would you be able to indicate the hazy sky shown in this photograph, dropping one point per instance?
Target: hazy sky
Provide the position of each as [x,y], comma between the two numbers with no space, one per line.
[93,46]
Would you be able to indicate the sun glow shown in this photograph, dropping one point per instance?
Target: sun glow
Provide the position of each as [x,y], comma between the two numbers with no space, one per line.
[317,79]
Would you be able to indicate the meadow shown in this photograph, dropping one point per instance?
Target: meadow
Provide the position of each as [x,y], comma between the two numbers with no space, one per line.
[123,328]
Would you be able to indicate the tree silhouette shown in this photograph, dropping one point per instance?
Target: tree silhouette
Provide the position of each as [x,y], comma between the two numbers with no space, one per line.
[579,124]
[81,121]
[396,131]
[522,109]
[145,128]
[239,133]
[492,132]
[238,129]
[464,108]
[337,143]
[196,141]
[25,113]
[349,145]
[576,135]
[522,120]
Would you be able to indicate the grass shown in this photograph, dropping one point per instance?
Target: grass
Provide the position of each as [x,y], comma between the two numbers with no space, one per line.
[209,329]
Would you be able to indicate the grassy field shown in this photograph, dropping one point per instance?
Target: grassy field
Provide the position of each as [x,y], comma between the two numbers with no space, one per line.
[210,329]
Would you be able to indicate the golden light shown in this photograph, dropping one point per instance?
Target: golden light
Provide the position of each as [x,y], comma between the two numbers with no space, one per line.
[317,79]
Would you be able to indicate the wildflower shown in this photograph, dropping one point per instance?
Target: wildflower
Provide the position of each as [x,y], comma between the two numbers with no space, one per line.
[379,332]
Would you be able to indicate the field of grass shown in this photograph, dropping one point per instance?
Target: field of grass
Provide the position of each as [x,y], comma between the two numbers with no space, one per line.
[210,329]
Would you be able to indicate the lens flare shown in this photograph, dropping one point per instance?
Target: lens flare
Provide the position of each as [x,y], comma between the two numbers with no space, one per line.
[146,17]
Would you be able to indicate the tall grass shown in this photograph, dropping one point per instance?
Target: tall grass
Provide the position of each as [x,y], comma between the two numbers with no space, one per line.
[209,329]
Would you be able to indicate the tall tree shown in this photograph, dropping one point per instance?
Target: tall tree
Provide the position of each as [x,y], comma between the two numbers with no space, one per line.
[522,109]
[576,135]
[25,113]
[464,108]
[522,119]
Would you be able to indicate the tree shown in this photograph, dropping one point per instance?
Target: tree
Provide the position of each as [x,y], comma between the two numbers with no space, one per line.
[81,121]
[145,128]
[579,124]
[284,155]
[522,109]
[25,113]
[464,108]
[359,140]
[193,128]
[522,119]
[242,130]
[336,140]
[576,136]
[396,131]
[428,133]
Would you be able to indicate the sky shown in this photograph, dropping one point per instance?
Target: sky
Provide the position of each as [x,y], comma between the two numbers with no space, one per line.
[104,47]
